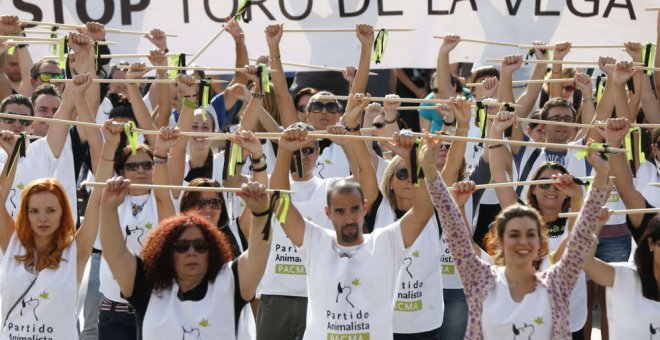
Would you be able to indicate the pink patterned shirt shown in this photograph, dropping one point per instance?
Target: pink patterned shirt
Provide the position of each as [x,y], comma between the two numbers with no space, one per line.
[479,277]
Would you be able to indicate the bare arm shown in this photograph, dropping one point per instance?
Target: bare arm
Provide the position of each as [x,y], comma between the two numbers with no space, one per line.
[284,101]
[497,159]
[7,141]
[140,110]
[365,34]
[443,74]
[367,177]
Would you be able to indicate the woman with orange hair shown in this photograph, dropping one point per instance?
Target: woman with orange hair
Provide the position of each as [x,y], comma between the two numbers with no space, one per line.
[44,255]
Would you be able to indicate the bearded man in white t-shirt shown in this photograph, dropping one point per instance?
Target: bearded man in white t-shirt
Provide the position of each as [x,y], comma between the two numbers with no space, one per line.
[351,277]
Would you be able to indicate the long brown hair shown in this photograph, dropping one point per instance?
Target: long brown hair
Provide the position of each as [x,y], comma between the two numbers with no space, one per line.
[62,237]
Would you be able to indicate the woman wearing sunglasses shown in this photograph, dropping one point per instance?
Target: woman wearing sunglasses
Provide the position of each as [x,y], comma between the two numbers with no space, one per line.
[184,284]
[44,255]
[549,200]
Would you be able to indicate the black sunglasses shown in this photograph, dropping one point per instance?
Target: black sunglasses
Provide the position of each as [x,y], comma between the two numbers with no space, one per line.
[146,165]
[10,121]
[330,107]
[301,108]
[379,125]
[401,174]
[308,150]
[445,146]
[200,246]
[214,203]
[47,76]
[544,186]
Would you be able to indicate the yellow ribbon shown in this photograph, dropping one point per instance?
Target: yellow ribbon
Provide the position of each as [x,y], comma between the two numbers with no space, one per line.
[234,156]
[283,201]
[629,145]
[131,136]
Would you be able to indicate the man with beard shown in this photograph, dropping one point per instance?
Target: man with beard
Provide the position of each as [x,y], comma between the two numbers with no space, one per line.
[351,278]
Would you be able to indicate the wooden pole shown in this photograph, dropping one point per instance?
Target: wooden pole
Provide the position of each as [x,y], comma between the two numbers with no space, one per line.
[192,68]
[224,28]
[552,47]
[182,188]
[617,212]
[137,81]
[401,100]
[489,42]
[75,27]
[515,184]
[315,67]
[337,30]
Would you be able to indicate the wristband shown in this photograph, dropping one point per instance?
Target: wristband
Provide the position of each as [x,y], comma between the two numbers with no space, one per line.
[259,159]
[395,120]
[588,100]
[450,124]
[160,157]
[275,58]
[258,95]
[188,103]
[260,214]
[158,160]
[353,129]
[166,50]
[260,169]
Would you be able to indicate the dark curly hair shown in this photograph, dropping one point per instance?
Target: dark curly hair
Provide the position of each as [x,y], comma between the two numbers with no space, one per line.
[158,254]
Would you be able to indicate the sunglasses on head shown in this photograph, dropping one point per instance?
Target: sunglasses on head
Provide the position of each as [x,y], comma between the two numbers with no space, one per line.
[379,125]
[330,107]
[308,150]
[47,76]
[401,174]
[214,203]
[10,121]
[133,166]
[200,246]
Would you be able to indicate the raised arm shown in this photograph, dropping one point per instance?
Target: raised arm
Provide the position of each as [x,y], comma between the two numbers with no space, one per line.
[588,108]
[252,263]
[365,33]
[559,52]
[236,32]
[497,159]
[528,99]
[421,210]
[86,234]
[7,142]
[167,139]
[624,70]
[58,133]
[605,105]
[443,74]
[121,260]
[142,114]
[456,153]
[185,84]
[367,172]
[292,139]
[163,111]
[602,273]
[285,104]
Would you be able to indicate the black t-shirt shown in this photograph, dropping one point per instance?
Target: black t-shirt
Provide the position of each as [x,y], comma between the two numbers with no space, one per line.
[638,231]
[142,293]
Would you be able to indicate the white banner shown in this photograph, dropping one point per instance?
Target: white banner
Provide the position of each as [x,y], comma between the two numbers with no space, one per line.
[516,21]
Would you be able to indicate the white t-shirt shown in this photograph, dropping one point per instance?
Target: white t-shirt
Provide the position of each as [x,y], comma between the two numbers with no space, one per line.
[332,162]
[48,309]
[285,272]
[503,318]
[649,173]
[577,301]
[629,314]
[351,289]
[135,230]
[39,162]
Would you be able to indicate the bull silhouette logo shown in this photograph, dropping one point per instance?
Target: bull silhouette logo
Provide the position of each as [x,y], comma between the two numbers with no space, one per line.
[192,333]
[524,332]
[29,307]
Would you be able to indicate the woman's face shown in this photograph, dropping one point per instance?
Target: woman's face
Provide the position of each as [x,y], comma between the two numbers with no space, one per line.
[547,195]
[138,168]
[567,90]
[521,241]
[536,134]
[209,206]
[322,114]
[400,183]
[301,108]
[44,214]
[191,255]
[379,124]
[199,125]
[441,155]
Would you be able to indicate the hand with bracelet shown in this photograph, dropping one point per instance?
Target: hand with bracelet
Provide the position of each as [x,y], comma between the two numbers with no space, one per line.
[390,109]
[246,140]
[187,90]
[503,121]
[168,137]
[353,113]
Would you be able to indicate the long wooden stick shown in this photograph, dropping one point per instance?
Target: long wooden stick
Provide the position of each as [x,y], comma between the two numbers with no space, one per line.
[329,30]
[489,42]
[654,184]
[617,212]
[121,55]
[181,187]
[552,47]
[652,9]
[402,100]
[137,81]
[533,81]
[515,184]
[578,125]
[411,108]
[224,28]
[192,68]
[315,67]
[75,27]
[569,62]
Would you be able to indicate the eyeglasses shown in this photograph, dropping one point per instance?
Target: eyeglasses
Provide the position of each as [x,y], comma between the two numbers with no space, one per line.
[200,246]
[379,125]
[330,107]
[146,165]
[214,203]
[401,174]
[301,108]
[47,76]
[10,121]
[308,150]
[568,119]
[568,88]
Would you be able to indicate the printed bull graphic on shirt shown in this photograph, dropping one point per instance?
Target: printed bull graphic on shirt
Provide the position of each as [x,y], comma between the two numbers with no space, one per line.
[655,332]
[29,307]
[192,333]
[346,290]
[523,333]
[135,232]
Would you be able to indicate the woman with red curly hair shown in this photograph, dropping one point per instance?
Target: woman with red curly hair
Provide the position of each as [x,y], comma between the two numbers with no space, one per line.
[185,283]
[44,255]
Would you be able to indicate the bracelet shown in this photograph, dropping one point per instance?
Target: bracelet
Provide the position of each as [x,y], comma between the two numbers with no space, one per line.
[450,124]
[263,213]
[166,50]
[495,146]
[158,160]
[261,169]
[279,57]
[160,157]
[353,129]
[188,103]
[258,95]
[259,159]
[588,100]
[240,163]
[21,46]
[395,120]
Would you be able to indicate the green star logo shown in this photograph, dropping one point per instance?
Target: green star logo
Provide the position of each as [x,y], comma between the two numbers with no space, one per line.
[204,323]
[327,161]
[415,253]
[44,295]
[539,320]
[20,186]
[356,282]
[309,218]
[148,226]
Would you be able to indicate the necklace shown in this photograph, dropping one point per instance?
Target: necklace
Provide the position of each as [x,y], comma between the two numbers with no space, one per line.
[136,207]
